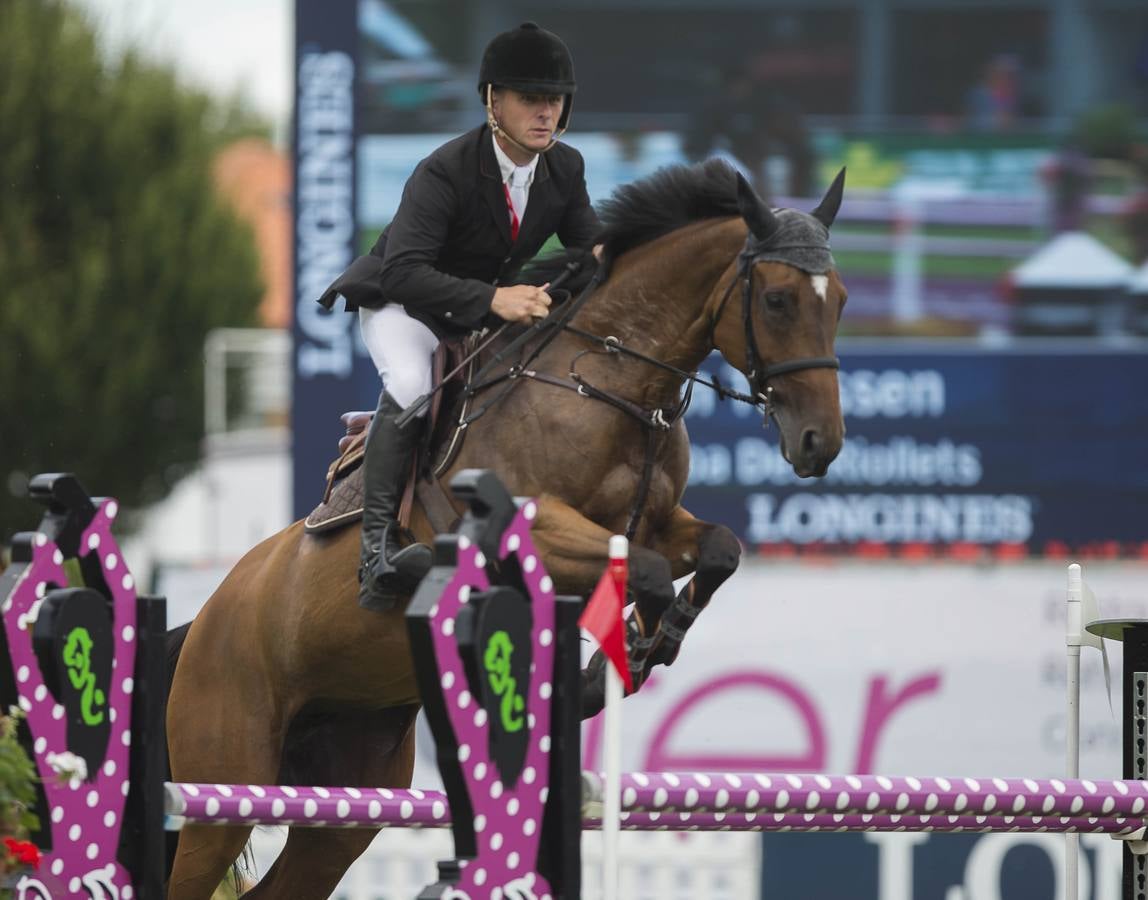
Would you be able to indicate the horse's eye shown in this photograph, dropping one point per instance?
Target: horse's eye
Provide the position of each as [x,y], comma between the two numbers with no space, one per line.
[776,300]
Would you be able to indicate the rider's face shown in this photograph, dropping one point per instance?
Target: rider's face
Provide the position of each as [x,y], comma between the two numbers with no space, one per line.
[531,119]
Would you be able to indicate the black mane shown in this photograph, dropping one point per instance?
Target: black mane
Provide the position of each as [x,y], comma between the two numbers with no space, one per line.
[667,200]
[637,213]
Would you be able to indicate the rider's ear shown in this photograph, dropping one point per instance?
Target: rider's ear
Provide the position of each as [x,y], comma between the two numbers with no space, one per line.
[826,210]
[757,215]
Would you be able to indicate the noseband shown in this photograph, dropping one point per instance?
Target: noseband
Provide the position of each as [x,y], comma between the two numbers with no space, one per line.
[757,374]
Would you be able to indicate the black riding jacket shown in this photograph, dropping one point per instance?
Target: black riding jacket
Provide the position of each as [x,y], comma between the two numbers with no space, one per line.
[449,243]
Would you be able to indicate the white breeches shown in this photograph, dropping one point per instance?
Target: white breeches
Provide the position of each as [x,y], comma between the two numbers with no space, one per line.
[401,349]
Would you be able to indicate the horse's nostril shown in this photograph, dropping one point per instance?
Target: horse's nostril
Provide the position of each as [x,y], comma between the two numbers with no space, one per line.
[810,442]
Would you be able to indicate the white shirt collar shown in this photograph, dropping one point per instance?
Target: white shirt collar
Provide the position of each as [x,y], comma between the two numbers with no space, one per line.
[507,166]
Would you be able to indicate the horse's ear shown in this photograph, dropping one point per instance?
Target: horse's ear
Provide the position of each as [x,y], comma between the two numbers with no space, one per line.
[757,215]
[826,210]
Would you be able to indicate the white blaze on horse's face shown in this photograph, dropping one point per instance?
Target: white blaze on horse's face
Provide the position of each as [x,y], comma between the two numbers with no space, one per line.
[820,286]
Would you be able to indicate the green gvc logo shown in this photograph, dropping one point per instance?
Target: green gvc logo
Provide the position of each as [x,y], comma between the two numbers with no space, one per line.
[78,659]
[499,651]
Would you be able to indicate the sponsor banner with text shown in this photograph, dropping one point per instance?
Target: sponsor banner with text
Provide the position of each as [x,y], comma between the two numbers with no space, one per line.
[899,669]
[1039,448]
[330,372]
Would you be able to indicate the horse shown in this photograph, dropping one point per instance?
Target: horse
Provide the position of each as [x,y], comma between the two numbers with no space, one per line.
[282,678]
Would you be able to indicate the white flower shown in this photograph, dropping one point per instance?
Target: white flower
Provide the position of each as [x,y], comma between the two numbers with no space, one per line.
[71,768]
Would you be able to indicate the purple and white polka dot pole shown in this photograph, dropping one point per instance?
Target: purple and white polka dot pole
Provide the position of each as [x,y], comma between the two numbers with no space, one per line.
[804,793]
[684,821]
[221,804]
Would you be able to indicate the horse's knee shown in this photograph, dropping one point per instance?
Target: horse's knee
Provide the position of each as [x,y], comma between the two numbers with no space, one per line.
[719,553]
[652,583]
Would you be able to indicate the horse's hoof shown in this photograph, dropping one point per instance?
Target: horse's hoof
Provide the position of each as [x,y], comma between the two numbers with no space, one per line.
[593,693]
[664,655]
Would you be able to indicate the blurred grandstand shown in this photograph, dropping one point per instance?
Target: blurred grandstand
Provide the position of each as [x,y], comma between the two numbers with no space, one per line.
[973,135]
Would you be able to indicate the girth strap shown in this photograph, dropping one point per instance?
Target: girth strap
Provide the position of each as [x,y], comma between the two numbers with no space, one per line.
[643,491]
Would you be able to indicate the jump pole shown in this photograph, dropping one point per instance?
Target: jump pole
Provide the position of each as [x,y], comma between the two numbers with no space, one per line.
[208,804]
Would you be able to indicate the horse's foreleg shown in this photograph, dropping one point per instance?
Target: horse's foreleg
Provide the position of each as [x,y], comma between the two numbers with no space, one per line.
[223,727]
[214,739]
[576,550]
[362,749]
[713,552]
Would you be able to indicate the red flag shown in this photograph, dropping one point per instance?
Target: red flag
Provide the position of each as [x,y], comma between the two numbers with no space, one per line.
[602,617]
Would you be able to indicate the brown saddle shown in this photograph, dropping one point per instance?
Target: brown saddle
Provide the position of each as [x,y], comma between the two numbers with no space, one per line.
[342,502]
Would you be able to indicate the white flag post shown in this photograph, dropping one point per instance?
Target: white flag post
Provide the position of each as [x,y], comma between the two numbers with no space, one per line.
[1074,637]
[1082,609]
[612,740]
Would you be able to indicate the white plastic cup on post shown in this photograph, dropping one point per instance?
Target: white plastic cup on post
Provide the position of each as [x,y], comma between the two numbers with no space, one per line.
[1073,638]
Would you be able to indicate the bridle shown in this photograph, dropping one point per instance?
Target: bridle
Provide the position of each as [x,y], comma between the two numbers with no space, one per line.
[757,374]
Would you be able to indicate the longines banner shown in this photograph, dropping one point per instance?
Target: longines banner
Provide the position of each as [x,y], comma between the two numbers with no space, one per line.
[329,373]
[1042,447]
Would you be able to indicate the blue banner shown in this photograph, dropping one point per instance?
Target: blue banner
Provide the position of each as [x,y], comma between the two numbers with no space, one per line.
[922,866]
[1042,447]
[329,370]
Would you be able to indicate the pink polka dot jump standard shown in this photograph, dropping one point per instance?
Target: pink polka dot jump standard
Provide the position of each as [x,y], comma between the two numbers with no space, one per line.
[499,681]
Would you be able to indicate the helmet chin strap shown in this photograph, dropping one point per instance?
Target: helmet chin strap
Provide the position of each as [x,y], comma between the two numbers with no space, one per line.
[503,133]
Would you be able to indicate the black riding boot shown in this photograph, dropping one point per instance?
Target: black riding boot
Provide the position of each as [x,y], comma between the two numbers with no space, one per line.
[388,571]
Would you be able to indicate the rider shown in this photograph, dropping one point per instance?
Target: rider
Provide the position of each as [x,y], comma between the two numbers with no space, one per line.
[472,213]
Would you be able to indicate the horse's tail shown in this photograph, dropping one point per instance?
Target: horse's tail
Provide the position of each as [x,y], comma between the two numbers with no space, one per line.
[173,646]
[175,639]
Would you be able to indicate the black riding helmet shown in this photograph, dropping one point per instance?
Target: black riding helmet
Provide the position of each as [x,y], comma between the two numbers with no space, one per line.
[531,60]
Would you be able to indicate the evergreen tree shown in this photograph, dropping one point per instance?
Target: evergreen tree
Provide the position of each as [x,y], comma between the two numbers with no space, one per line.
[116,259]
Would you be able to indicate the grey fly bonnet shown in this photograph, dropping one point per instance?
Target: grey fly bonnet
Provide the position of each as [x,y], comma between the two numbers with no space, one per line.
[800,241]
[791,236]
